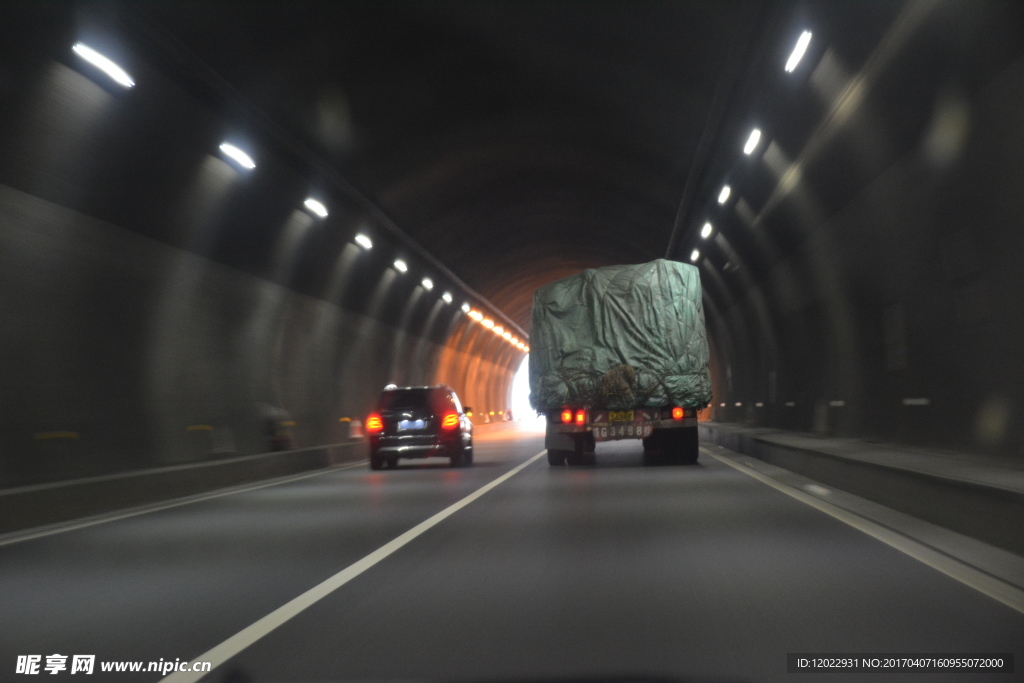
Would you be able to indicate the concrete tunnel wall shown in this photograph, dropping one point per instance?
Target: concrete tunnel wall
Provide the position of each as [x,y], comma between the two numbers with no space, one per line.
[874,287]
[159,303]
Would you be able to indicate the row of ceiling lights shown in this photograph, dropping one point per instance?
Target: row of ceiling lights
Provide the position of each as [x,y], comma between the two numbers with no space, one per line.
[314,206]
[755,136]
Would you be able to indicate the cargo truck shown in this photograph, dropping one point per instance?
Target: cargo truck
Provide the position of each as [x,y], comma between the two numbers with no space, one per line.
[620,352]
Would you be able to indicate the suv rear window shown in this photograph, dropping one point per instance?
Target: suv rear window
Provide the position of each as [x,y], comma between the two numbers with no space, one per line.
[403,399]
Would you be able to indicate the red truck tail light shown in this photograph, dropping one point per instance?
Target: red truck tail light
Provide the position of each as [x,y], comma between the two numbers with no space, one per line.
[374,424]
[566,416]
[450,421]
[677,413]
[581,417]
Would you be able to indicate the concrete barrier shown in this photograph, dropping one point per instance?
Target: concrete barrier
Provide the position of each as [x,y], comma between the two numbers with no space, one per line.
[967,495]
[38,505]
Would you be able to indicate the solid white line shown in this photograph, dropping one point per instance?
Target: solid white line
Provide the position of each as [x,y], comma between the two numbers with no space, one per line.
[103,518]
[1009,595]
[250,634]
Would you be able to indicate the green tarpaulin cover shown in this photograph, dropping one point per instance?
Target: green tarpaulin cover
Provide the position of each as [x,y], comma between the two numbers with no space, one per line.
[620,337]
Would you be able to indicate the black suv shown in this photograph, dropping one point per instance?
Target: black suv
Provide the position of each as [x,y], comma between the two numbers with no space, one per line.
[419,422]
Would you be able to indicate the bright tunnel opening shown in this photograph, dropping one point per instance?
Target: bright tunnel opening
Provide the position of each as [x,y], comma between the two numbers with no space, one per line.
[520,401]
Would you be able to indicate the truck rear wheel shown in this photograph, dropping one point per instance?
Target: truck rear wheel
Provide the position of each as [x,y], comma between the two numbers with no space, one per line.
[556,458]
[684,446]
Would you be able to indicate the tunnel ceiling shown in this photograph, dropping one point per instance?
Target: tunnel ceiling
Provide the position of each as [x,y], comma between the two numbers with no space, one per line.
[518,142]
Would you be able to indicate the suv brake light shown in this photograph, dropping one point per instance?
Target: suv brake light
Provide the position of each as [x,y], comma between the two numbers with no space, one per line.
[374,424]
[450,421]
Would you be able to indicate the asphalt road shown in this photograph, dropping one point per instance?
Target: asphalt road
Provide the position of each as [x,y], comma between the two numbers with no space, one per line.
[692,573]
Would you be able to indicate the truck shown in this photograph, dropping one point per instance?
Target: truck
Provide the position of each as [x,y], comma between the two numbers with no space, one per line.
[620,352]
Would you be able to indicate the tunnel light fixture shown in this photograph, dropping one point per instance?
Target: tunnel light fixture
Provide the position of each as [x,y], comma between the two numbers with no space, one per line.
[520,346]
[515,342]
[498,330]
[315,207]
[755,137]
[694,255]
[723,196]
[526,348]
[427,283]
[104,64]
[466,308]
[447,296]
[401,266]
[237,155]
[798,52]
[507,335]
[488,323]
[476,315]
[705,232]
[364,241]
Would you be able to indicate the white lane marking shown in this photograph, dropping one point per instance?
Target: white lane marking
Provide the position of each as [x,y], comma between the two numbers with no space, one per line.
[250,634]
[1009,595]
[94,520]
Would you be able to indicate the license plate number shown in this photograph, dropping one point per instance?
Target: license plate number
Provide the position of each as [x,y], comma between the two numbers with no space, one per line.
[640,430]
[620,415]
[406,425]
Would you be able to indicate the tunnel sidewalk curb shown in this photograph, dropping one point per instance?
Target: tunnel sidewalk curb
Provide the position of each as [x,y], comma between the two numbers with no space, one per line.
[39,505]
[981,497]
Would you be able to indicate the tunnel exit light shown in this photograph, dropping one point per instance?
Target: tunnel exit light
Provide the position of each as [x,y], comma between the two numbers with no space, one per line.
[694,255]
[364,241]
[798,52]
[427,283]
[104,64]
[238,156]
[723,196]
[315,207]
[705,232]
[400,266]
[755,137]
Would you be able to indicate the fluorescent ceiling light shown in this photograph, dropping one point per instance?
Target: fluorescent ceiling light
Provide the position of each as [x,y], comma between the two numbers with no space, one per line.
[755,137]
[316,207]
[243,159]
[723,196]
[104,64]
[447,296]
[705,232]
[694,255]
[798,52]
[364,241]
[428,284]
[400,266]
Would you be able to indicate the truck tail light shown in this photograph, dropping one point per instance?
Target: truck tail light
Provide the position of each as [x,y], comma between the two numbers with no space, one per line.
[566,416]
[374,424]
[450,421]
[581,417]
[677,413]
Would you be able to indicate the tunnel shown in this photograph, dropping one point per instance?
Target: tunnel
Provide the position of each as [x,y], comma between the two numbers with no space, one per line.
[225,228]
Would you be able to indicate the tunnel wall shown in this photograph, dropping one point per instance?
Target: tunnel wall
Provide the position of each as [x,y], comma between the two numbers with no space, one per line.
[163,306]
[895,312]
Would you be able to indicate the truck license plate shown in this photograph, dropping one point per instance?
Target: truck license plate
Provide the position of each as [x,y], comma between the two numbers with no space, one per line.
[640,430]
[620,415]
